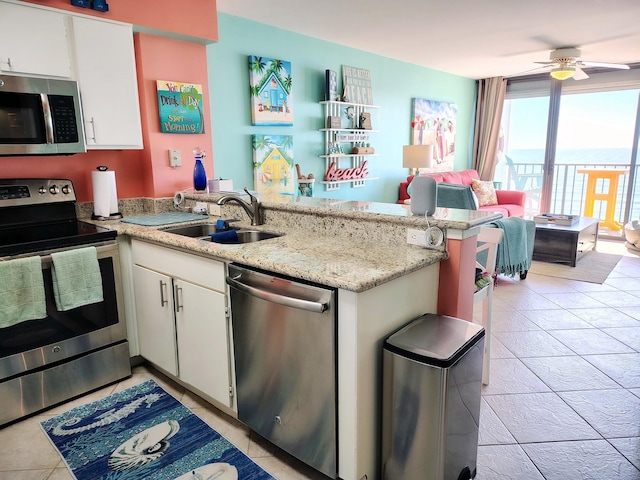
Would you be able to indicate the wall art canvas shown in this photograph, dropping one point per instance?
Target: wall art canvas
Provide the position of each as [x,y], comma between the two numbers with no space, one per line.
[357,85]
[273,164]
[180,107]
[270,86]
[434,123]
[331,85]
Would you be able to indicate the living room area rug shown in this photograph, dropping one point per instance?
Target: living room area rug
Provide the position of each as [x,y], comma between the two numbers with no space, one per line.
[145,433]
[593,267]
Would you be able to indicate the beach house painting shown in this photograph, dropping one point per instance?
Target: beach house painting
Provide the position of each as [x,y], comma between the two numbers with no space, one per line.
[270,87]
[434,123]
[273,164]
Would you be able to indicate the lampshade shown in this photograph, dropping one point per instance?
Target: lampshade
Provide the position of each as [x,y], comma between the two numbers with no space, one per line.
[563,72]
[417,156]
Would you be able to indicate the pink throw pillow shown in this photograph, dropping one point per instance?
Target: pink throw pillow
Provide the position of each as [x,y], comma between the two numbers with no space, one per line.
[485,192]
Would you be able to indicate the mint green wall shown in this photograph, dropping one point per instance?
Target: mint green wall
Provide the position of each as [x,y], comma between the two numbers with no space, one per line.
[394,84]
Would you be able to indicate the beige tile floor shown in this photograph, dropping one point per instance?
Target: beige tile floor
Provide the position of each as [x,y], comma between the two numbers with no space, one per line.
[564,397]
[563,401]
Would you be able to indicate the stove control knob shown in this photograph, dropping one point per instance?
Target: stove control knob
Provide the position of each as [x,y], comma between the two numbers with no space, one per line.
[42,190]
[66,189]
[54,189]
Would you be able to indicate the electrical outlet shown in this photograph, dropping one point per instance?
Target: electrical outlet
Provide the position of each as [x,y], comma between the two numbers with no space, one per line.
[175,159]
[416,237]
[215,210]
[200,207]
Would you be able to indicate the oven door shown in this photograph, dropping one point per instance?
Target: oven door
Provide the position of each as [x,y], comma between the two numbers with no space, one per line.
[34,344]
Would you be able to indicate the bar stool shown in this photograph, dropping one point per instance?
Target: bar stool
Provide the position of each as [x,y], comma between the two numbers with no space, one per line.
[593,175]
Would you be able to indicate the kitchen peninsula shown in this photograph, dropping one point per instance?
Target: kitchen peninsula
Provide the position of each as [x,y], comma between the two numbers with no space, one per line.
[360,249]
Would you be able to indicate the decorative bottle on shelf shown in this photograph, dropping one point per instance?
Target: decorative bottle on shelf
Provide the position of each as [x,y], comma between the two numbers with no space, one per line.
[199,173]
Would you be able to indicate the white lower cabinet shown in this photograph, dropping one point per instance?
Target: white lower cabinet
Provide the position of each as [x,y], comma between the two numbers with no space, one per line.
[182,317]
[155,318]
[201,329]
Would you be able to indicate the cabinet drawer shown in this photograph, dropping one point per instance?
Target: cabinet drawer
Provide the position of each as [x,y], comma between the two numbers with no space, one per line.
[193,268]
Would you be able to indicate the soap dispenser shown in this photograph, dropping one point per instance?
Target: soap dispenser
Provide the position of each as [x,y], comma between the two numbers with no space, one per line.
[199,173]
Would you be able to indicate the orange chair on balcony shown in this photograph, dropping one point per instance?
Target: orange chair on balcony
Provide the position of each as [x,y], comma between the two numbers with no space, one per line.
[609,196]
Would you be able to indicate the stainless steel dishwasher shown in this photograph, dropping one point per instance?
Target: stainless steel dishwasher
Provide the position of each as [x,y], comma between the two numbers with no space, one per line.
[284,335]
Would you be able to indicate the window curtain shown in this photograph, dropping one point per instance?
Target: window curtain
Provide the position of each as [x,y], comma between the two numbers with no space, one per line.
[491,93]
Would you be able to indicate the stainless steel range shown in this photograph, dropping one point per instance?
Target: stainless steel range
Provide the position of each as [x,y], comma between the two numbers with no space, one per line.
[46,361]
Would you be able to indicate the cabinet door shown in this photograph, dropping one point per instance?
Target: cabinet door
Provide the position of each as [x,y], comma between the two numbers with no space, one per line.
[33,41]
[106,73]
[155,318]
[203,346]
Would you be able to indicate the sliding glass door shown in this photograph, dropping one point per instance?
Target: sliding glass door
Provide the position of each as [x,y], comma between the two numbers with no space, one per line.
[557,135]
[594,143]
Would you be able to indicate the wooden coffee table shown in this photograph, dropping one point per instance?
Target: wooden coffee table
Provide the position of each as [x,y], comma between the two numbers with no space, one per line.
[565,243]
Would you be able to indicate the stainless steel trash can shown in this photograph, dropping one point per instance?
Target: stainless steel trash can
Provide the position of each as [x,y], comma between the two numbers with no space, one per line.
[432,380]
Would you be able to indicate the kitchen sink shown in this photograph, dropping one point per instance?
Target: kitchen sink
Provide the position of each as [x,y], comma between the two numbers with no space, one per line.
[204,230]
[194,231]
[247,236]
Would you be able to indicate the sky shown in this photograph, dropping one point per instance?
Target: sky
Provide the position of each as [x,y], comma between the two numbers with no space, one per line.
[587,120]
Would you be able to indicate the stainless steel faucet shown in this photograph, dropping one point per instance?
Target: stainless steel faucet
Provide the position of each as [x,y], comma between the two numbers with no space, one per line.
[253,209]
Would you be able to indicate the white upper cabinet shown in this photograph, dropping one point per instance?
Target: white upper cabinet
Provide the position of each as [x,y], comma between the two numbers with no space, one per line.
[105,68]
[33,41]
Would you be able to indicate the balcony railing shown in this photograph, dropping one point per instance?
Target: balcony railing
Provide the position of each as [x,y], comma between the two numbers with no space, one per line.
[568,193]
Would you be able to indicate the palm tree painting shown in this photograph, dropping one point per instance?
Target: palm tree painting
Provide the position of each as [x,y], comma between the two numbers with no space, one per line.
[273,164]
[270,90]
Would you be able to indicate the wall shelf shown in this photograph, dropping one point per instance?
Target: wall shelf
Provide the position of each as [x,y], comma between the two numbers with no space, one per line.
[347,137]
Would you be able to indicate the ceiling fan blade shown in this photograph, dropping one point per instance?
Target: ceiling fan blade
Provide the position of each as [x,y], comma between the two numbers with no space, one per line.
[620,66]
[580,74]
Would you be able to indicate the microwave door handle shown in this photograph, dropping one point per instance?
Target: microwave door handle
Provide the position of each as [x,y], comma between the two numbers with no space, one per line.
[48,119]
[316,307]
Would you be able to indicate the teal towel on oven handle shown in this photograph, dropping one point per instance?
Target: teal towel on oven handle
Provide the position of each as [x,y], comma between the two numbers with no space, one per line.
[76,278]
[22,294]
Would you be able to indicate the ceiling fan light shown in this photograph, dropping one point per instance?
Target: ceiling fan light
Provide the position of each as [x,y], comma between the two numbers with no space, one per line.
[563,72]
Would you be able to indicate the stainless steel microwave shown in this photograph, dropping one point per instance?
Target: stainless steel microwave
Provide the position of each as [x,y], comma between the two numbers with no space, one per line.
[40,116]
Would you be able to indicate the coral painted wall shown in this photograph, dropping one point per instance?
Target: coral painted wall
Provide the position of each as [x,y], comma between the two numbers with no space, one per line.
[161,58]
[138,172]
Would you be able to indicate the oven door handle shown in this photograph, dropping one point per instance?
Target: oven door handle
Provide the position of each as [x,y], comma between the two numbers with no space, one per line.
[101,250]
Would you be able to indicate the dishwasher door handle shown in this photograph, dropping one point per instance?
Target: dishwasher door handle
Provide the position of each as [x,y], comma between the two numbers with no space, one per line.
[316,307]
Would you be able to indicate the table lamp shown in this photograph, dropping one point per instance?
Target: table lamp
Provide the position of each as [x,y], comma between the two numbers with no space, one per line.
[417,156]
[423,189]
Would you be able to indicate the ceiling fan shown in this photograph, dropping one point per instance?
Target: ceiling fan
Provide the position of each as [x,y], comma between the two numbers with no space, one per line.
[566,63]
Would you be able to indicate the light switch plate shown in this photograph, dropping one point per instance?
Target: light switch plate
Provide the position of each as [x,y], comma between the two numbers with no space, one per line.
[175,159]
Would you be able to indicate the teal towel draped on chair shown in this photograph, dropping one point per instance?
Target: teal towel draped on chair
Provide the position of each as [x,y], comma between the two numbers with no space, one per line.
[516,248]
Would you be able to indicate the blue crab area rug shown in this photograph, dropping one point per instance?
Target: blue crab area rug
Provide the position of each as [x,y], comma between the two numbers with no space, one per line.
[145,433]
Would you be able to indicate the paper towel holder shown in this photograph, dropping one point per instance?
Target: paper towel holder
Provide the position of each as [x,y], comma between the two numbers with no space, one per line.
[112,215]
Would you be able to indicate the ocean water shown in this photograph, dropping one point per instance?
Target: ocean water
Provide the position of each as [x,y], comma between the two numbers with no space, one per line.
[590,156]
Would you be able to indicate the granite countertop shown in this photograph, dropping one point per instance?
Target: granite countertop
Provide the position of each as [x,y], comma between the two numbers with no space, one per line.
[351,250]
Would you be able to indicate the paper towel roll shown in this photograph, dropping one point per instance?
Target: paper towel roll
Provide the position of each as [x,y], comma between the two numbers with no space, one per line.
[105,194]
